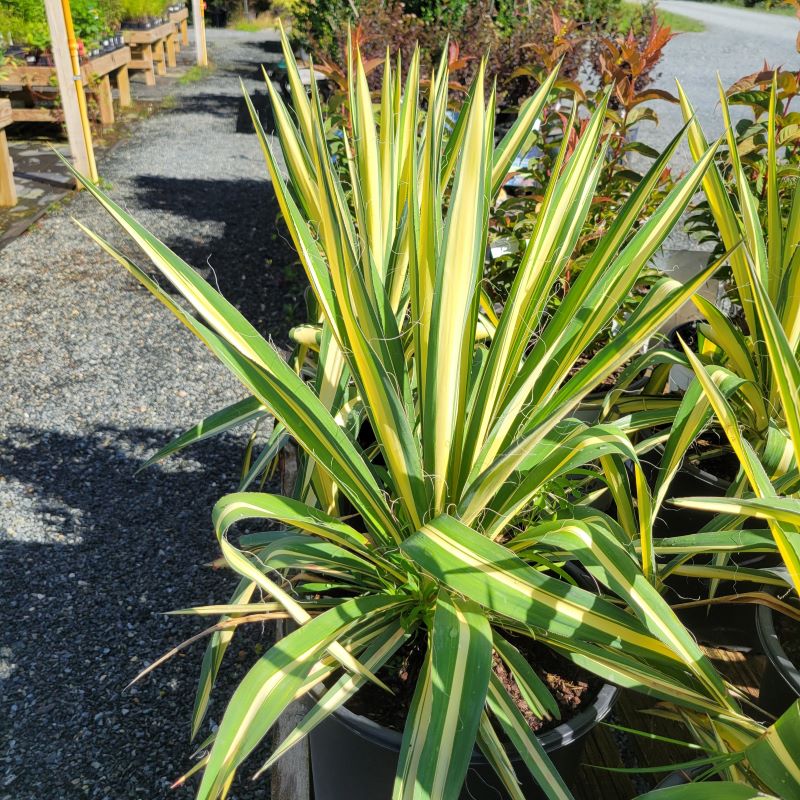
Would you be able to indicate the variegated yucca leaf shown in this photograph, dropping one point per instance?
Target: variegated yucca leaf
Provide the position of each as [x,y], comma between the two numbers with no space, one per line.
[431,429]
[764,760]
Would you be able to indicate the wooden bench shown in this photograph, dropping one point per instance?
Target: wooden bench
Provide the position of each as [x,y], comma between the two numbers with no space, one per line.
[153,49]
[181,21]
[8,193]
[96,74]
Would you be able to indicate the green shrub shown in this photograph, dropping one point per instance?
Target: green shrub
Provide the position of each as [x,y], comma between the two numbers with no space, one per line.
[24,22]
[142,9]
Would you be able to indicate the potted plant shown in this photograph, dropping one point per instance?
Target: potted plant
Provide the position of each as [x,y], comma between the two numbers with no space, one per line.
[755,354]
[421,527]
[759,765]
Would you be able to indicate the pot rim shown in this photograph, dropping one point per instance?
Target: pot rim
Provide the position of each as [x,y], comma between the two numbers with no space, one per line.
[698,473]
[562,735]
[773,649]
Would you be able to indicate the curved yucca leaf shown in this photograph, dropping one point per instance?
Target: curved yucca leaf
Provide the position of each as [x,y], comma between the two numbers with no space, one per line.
[537,696]
[782,509]
[525,742]
[384,646]
[496,578]
[440,734]
[220,421]
[690,419]
[234,508]
[261,464]
[324,558]
[722,209]
[591,540]
[260,367]
[758,478]
[212,658]
[272,682]
[557,454]
[785,368]
[788,304]
[773,756]
[724,334]
[625,670]
[733,573]
[511,144]
[721,541]
[708,790]
[495,753]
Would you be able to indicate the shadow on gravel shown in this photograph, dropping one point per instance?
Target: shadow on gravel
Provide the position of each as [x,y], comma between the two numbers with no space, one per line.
[215,105]
[269,46]
[83,617]
[252,262]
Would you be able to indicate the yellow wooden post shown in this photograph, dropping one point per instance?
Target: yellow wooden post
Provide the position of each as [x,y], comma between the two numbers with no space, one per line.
[70,86]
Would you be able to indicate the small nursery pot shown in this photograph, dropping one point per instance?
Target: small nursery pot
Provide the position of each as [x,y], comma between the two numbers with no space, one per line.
[352,756]
[780,683]
[727,625]
[680,778]
[730,626]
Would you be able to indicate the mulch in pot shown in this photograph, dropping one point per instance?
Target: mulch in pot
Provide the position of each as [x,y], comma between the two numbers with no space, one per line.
[572,687]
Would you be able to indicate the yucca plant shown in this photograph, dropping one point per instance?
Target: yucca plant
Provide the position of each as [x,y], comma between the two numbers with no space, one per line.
[757,359]
[766,273]
[738,764]
[733,767]
[752,361]
[430,430]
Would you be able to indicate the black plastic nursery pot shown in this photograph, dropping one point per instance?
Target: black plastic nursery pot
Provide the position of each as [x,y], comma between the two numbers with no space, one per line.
[681,778]
[354,757]
[727,625]
[780,683]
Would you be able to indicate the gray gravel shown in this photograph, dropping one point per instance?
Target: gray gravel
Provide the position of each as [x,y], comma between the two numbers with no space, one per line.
[95,376]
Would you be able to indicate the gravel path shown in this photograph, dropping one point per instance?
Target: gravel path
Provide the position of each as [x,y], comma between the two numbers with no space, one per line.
[735,43]
[95,376]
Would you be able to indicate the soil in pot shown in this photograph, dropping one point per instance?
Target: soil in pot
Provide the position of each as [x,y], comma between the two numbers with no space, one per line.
[571,686]
[352,755]
[780,683]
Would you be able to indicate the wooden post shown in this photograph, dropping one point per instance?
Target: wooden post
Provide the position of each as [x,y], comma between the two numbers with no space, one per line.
[199,33]
[8,192]
[159,57]
[169,43]
[104,100]
[68,86]
[124,86]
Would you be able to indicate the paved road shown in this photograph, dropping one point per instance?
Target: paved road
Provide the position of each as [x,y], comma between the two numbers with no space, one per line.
[736,42]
